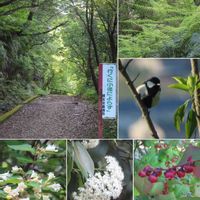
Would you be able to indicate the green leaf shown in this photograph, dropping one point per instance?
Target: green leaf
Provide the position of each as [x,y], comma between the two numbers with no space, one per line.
[191,81]
[189,198]
[197,190]
[33,184]
[170,196]
[22,147]
[179,115]
[157,188]
[70,164]
[24,160]
[190,124]
[83,160]
[179,86]
[181,190]
[180,80]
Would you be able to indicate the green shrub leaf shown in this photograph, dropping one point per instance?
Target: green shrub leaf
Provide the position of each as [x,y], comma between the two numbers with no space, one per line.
[190,124]
[179,86]
[83,160]
[179,115]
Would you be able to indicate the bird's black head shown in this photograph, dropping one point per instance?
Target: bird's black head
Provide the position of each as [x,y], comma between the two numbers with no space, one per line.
[155,80]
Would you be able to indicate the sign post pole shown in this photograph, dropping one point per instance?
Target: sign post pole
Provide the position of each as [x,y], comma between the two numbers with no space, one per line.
[107,85]
[100,119]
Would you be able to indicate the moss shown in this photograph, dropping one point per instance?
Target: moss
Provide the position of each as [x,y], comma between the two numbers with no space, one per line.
[30,99]
[9,113]
[15,109]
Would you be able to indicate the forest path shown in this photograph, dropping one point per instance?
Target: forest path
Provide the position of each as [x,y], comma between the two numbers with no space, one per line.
[52,116]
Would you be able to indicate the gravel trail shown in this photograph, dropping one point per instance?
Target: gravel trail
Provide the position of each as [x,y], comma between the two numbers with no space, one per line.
[53,116]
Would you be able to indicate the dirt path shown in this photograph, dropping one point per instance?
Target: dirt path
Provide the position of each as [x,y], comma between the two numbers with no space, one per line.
[53,116]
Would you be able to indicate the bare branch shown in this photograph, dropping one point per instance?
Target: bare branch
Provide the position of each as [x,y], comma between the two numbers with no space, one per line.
[144,110]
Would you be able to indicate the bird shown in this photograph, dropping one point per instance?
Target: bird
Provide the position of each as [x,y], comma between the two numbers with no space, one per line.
[149,92]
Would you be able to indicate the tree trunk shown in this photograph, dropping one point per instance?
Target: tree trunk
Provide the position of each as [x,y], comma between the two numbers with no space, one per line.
[196,102]
[92,71]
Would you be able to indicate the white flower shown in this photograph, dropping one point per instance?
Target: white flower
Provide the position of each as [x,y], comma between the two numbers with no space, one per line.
[51,175]
[15,192]
[56,187]
[21,186]
[89,144]
[51,147]
[45,197]
[35,176]
[11,193]
[27,198]
[16,169]
[5,176]
[7,189]
[105,186]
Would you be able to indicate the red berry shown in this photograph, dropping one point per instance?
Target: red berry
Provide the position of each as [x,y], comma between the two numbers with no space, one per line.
[148,170]
[170,174]
[165,145]
[180,173]
[158,171]
[188,168]
[142,173]
[153,178]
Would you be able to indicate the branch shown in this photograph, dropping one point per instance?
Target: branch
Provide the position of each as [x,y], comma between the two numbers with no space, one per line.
[144,110]
[6,3]
[44,32]
[9,12]
[196,102]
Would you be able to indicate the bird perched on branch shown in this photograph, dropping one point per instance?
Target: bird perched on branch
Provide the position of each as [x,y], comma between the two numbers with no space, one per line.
[149,92]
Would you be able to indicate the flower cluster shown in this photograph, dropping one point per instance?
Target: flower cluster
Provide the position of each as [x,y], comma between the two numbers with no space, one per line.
[170,173]
[30,180]
[48,148]
[89,144]
[103,186]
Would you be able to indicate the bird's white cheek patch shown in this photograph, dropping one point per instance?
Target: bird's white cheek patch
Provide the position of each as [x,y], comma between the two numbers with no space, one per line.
[150,84]
[142,90]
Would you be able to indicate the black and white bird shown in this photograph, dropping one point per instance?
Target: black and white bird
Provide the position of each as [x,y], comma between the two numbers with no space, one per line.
[149,92]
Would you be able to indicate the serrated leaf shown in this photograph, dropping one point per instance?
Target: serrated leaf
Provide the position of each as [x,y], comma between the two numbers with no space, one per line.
[196,171]
[181,189]
[157,188]
[179,86]
[22,147]
[179,115]
[197,190]
[83,160]
[170,196]
[190,124]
